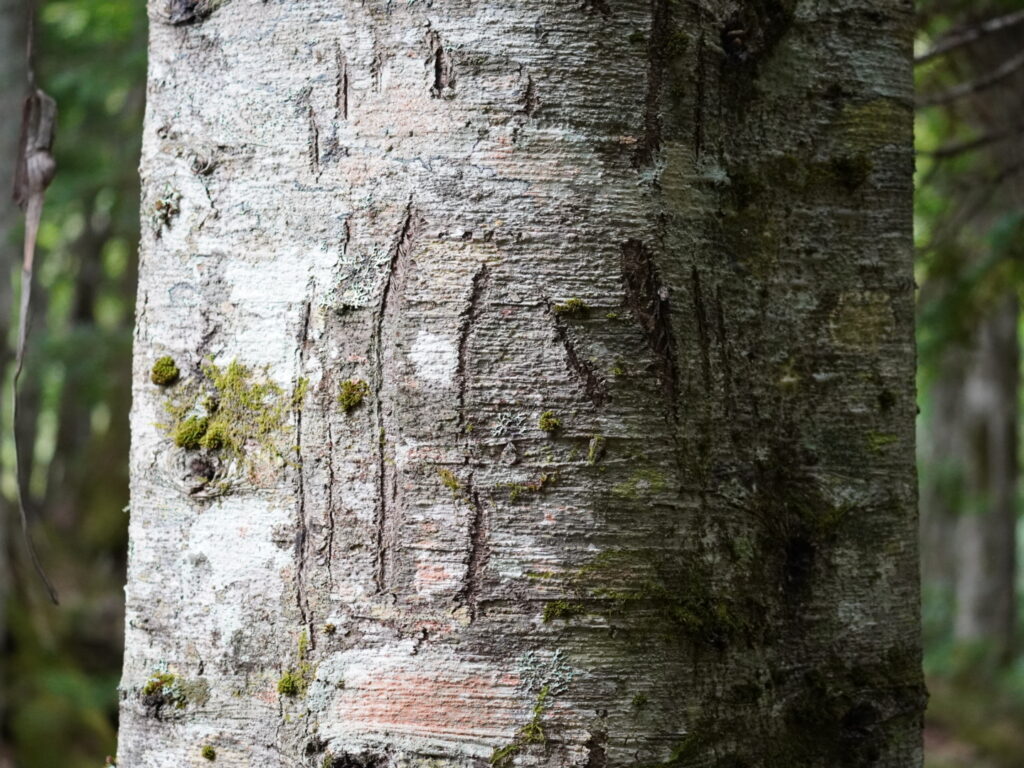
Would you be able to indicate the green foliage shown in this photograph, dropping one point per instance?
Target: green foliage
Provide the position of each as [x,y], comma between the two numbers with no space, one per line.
[448,479]
[573,307]
[208,752]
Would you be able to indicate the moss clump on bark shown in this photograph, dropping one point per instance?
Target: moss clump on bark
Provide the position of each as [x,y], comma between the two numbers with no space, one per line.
[449,480]
[208,752]
[531,733]
[352,394]
[164,372]
[573,307]
[189,433]
[232,410]
[562,609]
[549,422]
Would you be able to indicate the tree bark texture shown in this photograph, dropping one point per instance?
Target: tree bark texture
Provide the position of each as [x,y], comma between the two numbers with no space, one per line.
[546,387]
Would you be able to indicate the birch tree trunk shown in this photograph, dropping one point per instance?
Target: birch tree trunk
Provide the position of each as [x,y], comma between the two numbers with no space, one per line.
[535,387]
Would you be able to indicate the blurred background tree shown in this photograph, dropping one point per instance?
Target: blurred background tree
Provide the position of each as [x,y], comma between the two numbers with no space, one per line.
[60,667]
[970,238]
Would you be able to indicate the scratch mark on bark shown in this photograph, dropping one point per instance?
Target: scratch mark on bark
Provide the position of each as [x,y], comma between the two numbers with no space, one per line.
[469,317]
[702,326]
[530,99]
[330,505]
[648,301]
[385,333]
[303,529]
[594,385]
[469,595]
[444,70]
[314,142]
[657,57]
[341,85]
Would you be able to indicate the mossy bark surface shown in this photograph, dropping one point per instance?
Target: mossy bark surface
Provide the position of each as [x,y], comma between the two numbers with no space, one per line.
[627,289]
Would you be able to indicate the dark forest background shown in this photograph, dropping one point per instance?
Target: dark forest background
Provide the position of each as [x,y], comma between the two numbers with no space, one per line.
[59,667]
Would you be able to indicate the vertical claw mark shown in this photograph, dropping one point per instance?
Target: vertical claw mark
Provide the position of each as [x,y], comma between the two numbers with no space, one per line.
[303,529]
[469,317]
[384,352]
[441,60]
[657,67]
[341,84]
[702,327]
[469,595]
[594,385]
[648,301]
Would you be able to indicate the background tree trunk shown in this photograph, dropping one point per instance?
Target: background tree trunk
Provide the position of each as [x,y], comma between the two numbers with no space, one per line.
[12,91]
[571,419]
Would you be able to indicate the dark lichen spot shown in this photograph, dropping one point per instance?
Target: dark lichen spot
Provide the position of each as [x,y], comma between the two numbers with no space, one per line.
[549,422]
[353,392]
[851,171]
[330,629]
[164,372]
[639,701]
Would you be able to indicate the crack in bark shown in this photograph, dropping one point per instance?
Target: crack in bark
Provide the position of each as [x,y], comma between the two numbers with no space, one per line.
[594,385]
[469,317]
[530,99]
[314,140]
[648,301]
[385,333]
[657,57]
[597,757]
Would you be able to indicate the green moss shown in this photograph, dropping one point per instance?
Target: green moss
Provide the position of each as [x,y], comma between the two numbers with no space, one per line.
[330,629]
[208,752]
[448,479]
[642,482]
[232,410]
[189,433]
[215,437]
[562,609]
[164,372]
[596,449]
[572,308]
[878,441]
[618,369]
[531,733]
[353,392]
[164,688]
[516,490]
[549,422]
[639,701]
[291,684]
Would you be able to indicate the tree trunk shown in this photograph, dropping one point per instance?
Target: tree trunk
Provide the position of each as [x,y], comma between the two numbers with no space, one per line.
[12,91]
[546,387]
[987,529]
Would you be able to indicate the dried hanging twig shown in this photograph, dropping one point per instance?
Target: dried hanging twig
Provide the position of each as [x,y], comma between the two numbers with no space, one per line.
[35,170]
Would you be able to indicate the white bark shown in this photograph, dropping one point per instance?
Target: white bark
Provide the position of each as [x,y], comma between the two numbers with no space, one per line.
[410,194]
